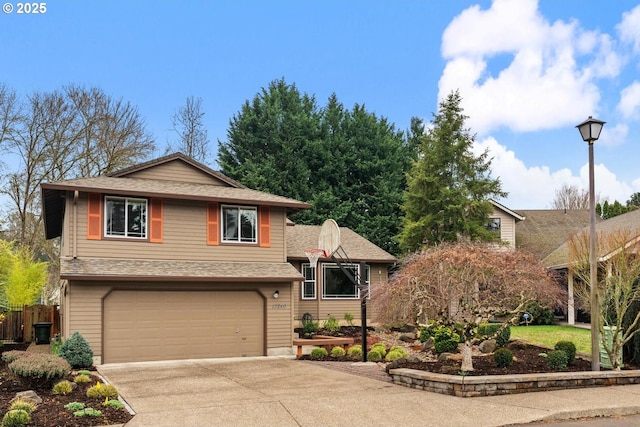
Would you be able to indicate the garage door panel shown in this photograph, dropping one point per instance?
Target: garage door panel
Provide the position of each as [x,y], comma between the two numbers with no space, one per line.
[164,325]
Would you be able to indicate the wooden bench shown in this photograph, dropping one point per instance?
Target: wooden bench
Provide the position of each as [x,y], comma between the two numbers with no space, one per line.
[322,341]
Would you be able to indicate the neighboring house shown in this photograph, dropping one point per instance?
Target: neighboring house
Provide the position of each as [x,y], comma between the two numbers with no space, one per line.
[326,291]
[502,221]
[559,260]
[172,260]
[546,229]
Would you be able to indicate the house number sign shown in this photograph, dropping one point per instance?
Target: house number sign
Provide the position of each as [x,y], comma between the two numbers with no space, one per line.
[279,306]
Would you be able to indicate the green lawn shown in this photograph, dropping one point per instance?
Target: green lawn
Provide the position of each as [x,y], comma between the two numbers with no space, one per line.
[548,336]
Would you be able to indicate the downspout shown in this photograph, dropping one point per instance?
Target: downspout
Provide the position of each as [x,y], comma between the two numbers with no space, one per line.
[74,245]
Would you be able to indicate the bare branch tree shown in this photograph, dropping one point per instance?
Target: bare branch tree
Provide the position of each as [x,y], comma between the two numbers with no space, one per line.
[618,289]
[468,283]
[188,124]
[571,197]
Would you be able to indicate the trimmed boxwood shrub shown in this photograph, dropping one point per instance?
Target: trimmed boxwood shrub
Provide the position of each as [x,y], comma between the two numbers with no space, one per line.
[569,348]
[395,353]
[380,348]
[489,329]
[445,340]
[355,351]
[374,355]
[77,352]
[338,351]
[557,360]
[503,357]
[318,353]
[40,370]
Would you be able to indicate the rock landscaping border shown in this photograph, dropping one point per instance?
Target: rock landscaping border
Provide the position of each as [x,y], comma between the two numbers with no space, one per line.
[491,385]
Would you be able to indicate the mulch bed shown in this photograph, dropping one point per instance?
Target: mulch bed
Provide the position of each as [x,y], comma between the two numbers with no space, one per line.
[51,412]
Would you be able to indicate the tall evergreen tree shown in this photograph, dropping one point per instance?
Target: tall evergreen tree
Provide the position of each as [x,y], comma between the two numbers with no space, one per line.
[349,165]
[448,188]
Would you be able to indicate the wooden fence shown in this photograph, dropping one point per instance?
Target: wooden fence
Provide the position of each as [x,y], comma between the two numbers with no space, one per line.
[18,323]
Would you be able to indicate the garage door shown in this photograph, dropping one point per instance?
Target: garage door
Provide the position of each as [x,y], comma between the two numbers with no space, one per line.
[169,325]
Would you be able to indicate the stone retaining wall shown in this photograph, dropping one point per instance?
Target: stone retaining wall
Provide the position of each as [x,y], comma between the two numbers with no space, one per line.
[489,385]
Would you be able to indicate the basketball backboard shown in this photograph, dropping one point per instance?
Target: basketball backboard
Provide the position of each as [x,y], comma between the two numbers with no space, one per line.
[329,238]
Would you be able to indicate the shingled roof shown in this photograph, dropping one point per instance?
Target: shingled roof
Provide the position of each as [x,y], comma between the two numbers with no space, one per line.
[171,270]
[543,231]
[630,221]
[301,237]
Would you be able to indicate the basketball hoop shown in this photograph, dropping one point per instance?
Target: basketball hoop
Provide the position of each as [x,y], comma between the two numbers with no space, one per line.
[314,255]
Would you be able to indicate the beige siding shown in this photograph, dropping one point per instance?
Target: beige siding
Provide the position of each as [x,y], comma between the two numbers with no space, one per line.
[177,170]
[321,308]
[184,226]
[82,309]
[507,227]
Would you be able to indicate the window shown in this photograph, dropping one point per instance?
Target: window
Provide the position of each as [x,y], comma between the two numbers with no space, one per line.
[239,224]
[336,284]
[494,226]
[125,217]
[309,284]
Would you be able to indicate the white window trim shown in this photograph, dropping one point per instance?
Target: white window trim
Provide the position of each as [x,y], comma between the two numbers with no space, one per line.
[314,269]
[239,239]
[126,213]
[351,298]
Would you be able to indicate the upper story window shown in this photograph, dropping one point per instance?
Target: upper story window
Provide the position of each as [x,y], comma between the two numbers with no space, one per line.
[239,224]
[494,226]
[125,217]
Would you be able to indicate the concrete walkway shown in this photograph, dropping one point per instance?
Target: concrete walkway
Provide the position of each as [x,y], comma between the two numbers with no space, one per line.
[271,391]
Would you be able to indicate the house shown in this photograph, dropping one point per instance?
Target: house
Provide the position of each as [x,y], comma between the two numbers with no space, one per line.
[546,229]
[502,221]
[559,260]
[172,260]
[326,291]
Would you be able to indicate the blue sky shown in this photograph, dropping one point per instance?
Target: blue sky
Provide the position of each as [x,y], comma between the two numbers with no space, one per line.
[528,71]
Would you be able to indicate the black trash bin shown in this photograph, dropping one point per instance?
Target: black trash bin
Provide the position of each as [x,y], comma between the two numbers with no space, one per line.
[43,332]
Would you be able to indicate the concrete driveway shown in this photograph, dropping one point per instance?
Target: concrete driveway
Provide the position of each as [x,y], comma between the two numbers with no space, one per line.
[284,392]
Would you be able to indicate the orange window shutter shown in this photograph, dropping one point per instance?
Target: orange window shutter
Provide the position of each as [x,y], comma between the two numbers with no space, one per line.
[213,224]
[155,226]
[265,227]
[94,216]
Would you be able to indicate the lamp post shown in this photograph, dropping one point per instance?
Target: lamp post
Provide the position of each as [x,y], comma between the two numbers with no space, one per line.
[590,132]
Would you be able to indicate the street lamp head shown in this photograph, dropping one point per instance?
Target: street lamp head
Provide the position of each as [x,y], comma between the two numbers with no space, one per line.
[590,129]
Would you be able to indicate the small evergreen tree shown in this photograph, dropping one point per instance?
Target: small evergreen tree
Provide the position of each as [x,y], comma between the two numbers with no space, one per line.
[77,352]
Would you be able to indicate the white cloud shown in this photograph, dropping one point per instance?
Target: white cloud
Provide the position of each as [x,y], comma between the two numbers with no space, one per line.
[535,187]
[543,86]
[629,28]
[629,104]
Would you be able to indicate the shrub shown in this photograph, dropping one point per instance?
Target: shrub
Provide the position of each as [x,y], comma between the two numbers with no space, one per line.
[84,372]
[557,360]
[540,313]
[380,348]
[318,353]
[489,329]
[374,355]
[503,357]
[16,418]
[40,370]
[100,391]
[25,405]
[396,353]
[445,340]
[64,387]
[115,404]
[74,406]
[348,317]
[82,379]
[569,348]
[338,351]
[332,324]
[10,356]
[88,412]
[77,352]
[355,351]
